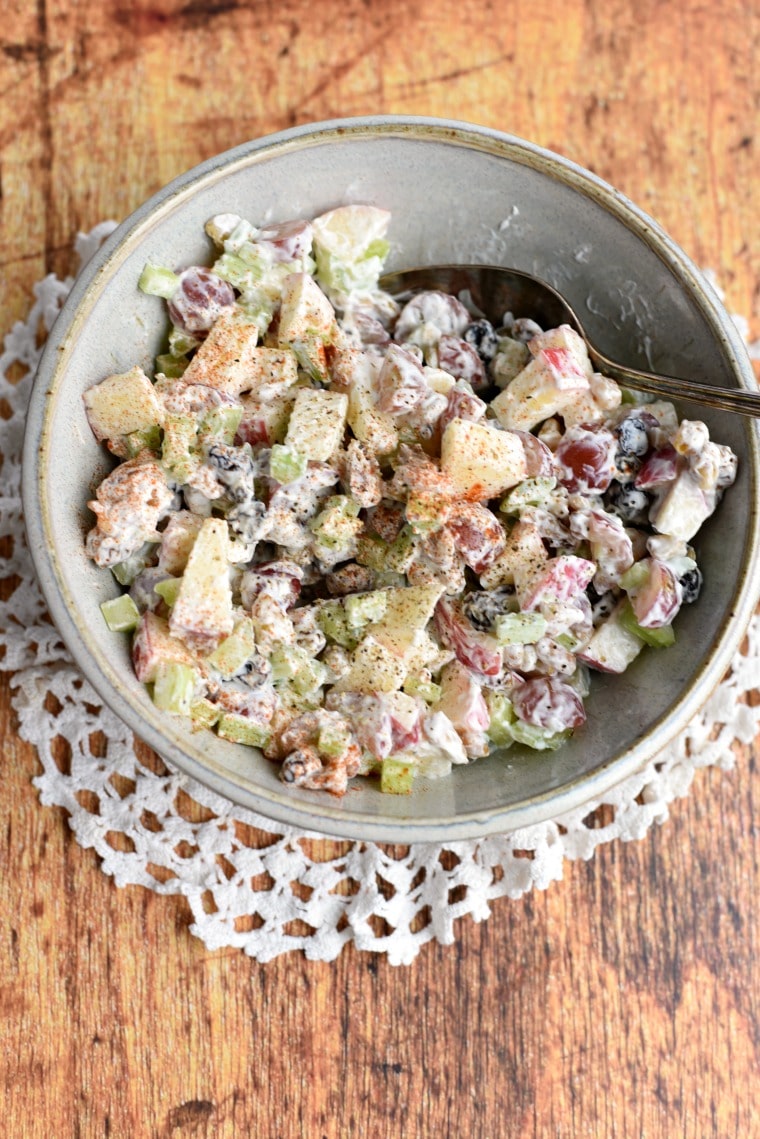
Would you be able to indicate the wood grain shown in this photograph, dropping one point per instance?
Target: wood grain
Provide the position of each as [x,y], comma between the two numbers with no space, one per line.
[623,1002]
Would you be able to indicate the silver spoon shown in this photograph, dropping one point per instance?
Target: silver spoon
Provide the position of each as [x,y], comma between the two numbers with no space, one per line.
[496,290]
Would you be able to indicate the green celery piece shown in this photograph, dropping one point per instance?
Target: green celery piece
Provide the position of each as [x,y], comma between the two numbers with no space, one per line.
[364,608]
[147,438]
[174,687]
[121,614]
[333,741]
[530,492]
[204,714]
[396,776]
[372,552]
[635,577]
[310,677]
[401,552]
[331,618]
[427,690]
[232,653]
[177,453]
[181,342]
[286,661]
[157,281]
[171,366]
[242,730]
[502,718]
[168,589]
[519,628]
[660,638]
[125,572]
[423,516]
[286,465]
[221,423]
[538,738]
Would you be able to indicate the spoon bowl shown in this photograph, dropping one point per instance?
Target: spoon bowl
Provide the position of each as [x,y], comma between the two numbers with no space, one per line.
[496,291]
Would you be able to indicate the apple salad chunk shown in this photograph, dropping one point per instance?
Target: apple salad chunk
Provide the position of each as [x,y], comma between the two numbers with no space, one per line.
[382,538]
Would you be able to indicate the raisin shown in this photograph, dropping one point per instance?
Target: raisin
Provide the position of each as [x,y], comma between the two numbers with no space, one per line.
[691,584]
[480,334]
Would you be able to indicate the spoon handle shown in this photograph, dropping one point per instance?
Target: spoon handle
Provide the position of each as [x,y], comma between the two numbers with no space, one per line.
[728,399]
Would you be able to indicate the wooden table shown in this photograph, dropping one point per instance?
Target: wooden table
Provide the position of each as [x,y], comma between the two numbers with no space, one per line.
[623,1002]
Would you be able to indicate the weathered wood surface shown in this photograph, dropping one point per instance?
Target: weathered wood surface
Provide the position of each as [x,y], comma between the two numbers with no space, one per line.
[623,1002]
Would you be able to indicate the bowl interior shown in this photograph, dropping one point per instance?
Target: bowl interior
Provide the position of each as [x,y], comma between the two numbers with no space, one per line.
[456,194]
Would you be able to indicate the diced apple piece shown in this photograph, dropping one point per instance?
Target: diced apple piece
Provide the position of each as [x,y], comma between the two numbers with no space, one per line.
[565,352]
[202,614]
[522,559]
[551,382]
[463,702]
[121,404]
[371,426]
[225,359]
[177,541]
[317,423]
[350,246]
[407,613]
[561,579]
[374,668]
[479,651]
[481,461]
[272,370]
[153,645]
[307,323]
[266,421]
[681,509]
[612,647]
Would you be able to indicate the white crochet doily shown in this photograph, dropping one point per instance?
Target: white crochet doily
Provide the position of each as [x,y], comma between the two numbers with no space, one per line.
[249,882]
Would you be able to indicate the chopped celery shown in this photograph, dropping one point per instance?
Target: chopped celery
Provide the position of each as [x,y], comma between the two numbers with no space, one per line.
[331,618]
[540,739]
[221,423]
[333,741]
[660,638]
[336,527]
[401,552]
[286,465]
[204,714]
[502,717]
[286,661]
[157,281]
[309,677]
[396,776]
[121,614]
[423,514]
[519,628]
[168,589]
[171,366]
[372,552]
[174,687]
[505,728]
[530,492]
[363,608]
[125,572]
[350,247]
[635,577]
[177,452]
[148,438]
[230,656]
[242,730]
[181,342]
[427,690]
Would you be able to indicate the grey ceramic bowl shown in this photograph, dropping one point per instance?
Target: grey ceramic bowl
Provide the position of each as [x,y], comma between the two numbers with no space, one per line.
[457,193]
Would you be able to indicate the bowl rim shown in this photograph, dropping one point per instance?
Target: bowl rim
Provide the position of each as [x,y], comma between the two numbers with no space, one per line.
[326,817]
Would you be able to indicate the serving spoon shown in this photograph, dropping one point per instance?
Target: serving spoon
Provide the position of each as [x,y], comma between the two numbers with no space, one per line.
[495,290]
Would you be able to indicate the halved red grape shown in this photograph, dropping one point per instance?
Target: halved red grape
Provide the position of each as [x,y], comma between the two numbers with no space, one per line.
[585,460]
[199,300]
[548,703]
